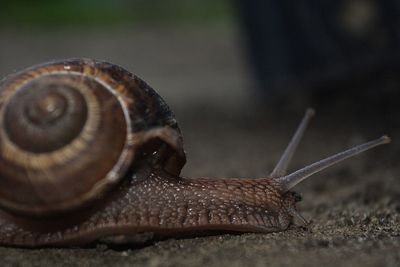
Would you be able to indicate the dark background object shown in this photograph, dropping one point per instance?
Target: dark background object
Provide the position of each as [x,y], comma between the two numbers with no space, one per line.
[314,43]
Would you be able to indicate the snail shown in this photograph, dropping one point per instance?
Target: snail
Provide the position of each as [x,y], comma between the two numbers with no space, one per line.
[88,151]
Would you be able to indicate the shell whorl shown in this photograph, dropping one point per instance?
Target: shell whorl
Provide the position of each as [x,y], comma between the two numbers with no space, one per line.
[66,133]
[62,134]
[49,120]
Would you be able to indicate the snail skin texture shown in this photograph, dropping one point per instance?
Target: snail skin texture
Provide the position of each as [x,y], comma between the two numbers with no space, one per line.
[88,152]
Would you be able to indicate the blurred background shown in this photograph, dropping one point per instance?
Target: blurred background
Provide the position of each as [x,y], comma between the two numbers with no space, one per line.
[229,64]
[239,75]
[189,51]
[231,68]
[223,52]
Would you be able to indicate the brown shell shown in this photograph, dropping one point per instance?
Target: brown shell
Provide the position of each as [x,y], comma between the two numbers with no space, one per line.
[67,133]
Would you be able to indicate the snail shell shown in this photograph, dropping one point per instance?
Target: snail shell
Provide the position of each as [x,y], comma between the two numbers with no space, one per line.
[68,134]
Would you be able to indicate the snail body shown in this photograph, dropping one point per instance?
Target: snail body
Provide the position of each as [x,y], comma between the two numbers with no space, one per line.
[89,151]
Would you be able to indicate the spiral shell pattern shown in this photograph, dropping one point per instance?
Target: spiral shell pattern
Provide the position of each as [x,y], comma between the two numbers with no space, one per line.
[66,133]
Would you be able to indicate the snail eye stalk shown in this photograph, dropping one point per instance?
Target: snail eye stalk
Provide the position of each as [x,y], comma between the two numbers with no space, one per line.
[283,163]
[289,181]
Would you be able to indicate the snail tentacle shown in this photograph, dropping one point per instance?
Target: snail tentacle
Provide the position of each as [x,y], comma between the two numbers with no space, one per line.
[289,181]
[283,163]
[296,215]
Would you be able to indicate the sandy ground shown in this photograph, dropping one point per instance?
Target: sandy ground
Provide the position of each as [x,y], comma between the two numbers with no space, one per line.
[354,208]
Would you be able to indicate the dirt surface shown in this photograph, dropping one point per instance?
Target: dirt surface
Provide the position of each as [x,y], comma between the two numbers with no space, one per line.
[354,208]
